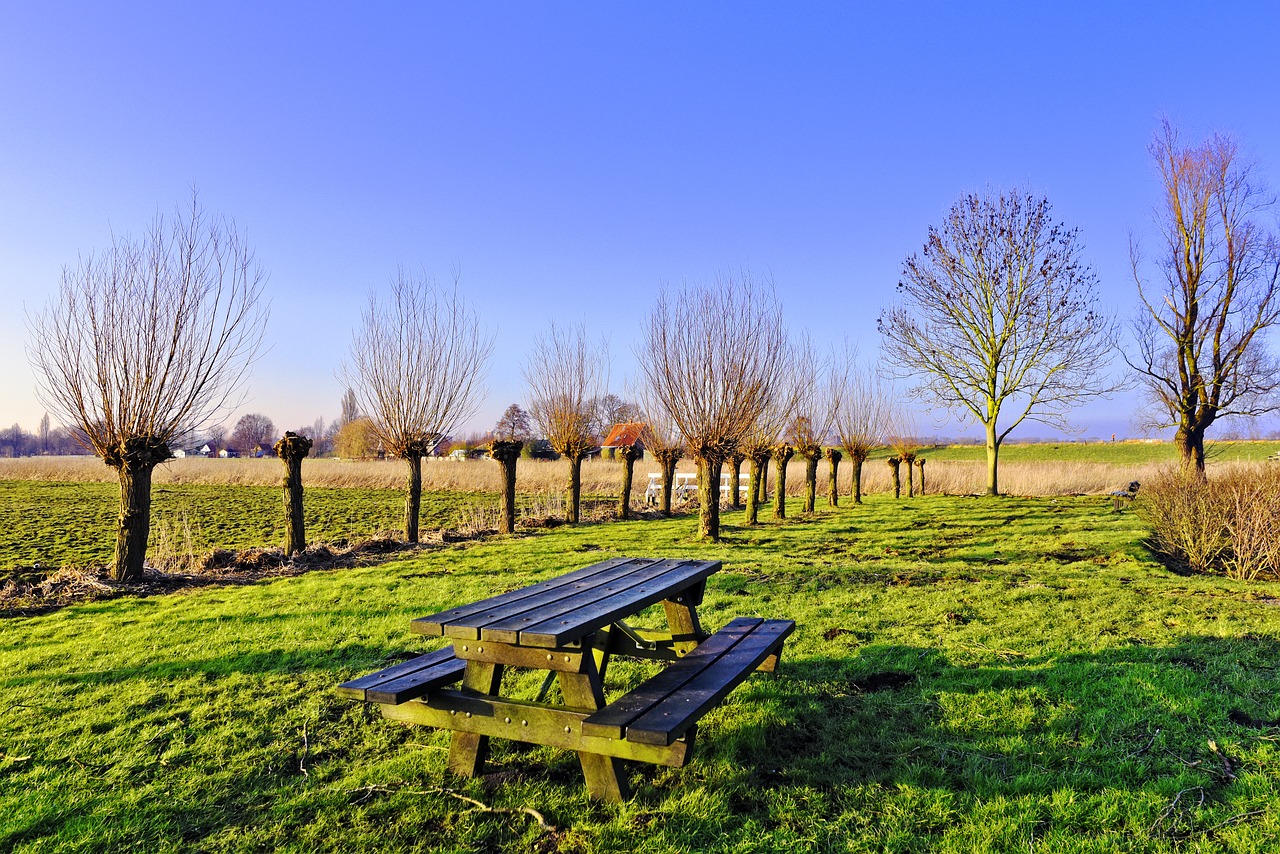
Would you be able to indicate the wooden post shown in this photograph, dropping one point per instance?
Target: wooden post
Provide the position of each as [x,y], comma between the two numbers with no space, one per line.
[467,750]
[291,449]
[507,452]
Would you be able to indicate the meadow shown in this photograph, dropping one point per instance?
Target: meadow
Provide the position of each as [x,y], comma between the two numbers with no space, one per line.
[967,674]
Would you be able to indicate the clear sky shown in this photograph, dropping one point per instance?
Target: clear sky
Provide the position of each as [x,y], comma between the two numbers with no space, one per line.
[569,159]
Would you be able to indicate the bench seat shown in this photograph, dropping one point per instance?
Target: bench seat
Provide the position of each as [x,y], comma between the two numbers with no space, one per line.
[408,680]
[661,710]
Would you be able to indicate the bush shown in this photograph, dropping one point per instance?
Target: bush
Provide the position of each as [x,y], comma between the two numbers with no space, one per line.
[1227,524]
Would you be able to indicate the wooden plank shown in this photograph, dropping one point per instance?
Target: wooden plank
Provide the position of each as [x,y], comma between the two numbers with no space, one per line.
[512,621]
[669,719]
[395,684]
[612,721]
[568,625]
[463,621]
[529,722]
[561,660]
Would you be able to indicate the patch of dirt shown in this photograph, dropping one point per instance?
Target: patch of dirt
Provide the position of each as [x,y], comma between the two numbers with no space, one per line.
[28,595]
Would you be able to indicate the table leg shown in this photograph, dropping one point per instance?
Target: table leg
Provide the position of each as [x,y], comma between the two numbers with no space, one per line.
[686,631]
[605,775]
[467,750]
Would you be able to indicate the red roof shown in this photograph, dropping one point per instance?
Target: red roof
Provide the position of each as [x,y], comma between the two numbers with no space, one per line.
[624,434]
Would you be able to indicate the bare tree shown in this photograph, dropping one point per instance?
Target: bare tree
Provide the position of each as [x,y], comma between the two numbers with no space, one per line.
[253,432]
[1202,349]
[514,425]
[812,414]
[566,374]
[1000,317]
[145,343]
[711,357]
[662,441]
[350,409]
[862,410]
[417,363]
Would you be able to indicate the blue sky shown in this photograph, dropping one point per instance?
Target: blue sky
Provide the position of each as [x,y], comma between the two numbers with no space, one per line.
[568,160]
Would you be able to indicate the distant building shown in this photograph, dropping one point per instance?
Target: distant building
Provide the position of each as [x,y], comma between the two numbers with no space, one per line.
[628,435]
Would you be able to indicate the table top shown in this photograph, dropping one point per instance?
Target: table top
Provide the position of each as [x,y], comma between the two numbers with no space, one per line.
[562,611]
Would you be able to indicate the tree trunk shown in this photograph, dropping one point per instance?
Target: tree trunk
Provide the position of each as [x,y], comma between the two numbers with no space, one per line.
[781,455]
[993,460]
[575,488]
[894,463]
[628,454]
[811,456]
[755,465]
[413,501]
[735,480]
[909,461]
[507,453]
[920,465]
[709,498]
[763,495]
[833,488]
[292,449]
[667,459]
[134,461]
[857,478]
[1190,445]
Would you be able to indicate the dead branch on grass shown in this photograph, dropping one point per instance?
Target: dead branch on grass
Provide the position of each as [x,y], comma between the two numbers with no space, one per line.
[370,791]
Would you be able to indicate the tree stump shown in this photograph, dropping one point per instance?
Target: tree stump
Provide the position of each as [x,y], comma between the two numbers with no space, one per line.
[894,463]
[507,452]
[833,492]
[908,459]
[291,449]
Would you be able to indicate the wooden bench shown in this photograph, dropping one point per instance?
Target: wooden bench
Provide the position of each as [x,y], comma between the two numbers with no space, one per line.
[664,708]
[408,680]
[1125,496]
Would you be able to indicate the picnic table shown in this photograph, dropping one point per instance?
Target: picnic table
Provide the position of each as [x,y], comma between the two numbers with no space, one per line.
[570,627]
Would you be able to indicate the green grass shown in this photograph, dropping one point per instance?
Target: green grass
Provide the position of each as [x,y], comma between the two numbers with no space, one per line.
[1119,453]
[59,524]
[966,675]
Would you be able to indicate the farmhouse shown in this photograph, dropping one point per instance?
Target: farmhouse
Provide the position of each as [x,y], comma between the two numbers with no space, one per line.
[628,435]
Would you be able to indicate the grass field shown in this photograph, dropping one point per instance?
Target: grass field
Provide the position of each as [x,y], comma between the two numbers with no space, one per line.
[967,675]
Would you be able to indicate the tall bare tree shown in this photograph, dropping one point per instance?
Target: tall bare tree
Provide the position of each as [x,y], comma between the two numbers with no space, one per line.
[811,414]
[566,374]
[146,342]
[1000,320]
[417,364]
[711,356]
[862,409]
[1206,314]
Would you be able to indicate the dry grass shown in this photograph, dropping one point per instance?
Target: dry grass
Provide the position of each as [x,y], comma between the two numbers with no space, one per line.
[599,477]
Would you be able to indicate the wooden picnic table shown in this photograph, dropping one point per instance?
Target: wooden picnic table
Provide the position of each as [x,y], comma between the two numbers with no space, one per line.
[570,626]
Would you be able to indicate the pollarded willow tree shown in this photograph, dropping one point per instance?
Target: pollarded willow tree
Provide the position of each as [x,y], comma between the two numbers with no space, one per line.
[999,319]
[417,364]
[712,356]
[566,375]
[145,343]
[862,410]
[812,414]
[1202,349]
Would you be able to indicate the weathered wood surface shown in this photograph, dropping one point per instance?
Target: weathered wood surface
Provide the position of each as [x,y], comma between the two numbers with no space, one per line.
[663,708]
[408,680]
[564,611]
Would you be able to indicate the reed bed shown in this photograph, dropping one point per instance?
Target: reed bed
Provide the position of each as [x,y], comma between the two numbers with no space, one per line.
[599,477]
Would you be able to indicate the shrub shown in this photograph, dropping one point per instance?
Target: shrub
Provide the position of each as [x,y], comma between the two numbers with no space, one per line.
[1225,524]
